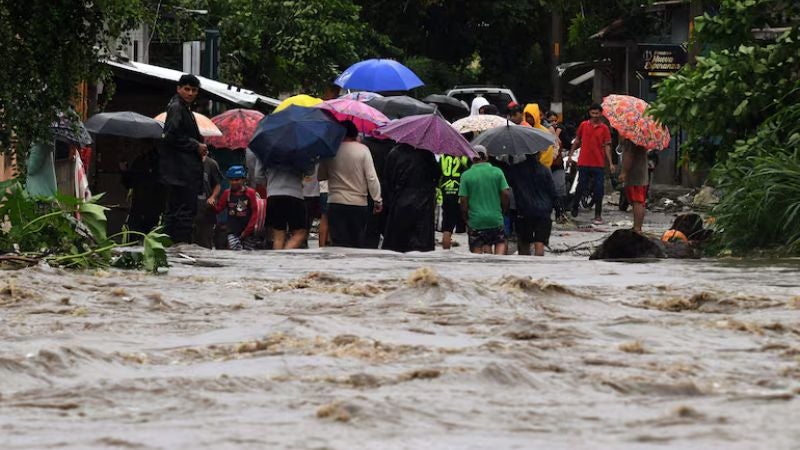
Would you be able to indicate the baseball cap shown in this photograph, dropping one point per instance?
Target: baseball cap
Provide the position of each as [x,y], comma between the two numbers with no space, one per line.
[236,172]
[513,107]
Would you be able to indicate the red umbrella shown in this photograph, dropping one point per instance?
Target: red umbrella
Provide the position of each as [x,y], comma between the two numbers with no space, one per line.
[629,117]
[237,126]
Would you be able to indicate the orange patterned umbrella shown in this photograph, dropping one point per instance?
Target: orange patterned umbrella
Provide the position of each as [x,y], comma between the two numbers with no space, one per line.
[628,116]
[204,124]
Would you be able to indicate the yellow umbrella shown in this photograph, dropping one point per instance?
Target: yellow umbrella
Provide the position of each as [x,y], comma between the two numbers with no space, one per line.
[204,124]
[298,100]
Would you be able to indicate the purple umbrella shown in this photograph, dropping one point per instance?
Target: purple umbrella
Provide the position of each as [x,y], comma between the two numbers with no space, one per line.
[429,132]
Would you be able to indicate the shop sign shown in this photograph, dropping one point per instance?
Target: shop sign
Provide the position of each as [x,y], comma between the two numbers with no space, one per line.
[660,61]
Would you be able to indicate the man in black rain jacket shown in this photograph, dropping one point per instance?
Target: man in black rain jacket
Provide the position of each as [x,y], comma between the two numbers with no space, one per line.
[410,178]
[181,161]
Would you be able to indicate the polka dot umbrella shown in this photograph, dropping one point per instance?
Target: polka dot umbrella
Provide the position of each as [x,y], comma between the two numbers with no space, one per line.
[629,117]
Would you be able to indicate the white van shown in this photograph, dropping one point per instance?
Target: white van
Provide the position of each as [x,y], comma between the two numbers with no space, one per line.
[498,96]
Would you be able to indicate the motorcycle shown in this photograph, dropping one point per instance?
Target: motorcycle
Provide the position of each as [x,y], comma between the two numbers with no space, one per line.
[571,175]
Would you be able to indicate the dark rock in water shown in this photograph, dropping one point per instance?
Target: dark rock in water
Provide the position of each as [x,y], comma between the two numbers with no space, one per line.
[681,250]
[691,225]
[626,244]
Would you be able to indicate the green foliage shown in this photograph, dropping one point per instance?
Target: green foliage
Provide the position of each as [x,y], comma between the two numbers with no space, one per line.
[586,19]
[47,50]
[153,256]
[155,253]
[176,20]
[438,75]
[48,228]
[506,37]
[736,86]
[760,181]
[277,46]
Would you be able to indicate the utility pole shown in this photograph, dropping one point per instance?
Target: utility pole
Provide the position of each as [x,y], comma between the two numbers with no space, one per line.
[556,104]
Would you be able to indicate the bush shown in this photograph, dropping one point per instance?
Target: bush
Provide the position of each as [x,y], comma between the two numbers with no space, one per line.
[48,228]
[760,182]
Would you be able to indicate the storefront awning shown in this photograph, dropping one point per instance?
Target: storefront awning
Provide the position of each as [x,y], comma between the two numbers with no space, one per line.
[585,77]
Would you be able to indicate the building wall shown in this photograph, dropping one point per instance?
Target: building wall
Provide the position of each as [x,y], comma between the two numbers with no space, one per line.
[7,168]
[136,48]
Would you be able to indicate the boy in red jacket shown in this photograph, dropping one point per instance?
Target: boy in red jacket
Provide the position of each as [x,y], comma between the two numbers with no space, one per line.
[241,203]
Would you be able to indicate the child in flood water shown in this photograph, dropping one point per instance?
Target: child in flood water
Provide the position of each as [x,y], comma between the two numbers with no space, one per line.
[241,203]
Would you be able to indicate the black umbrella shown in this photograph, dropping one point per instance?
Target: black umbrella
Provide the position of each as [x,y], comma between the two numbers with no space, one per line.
[451,108]
[514,140]
[400,106]
[70,129]
[125,124]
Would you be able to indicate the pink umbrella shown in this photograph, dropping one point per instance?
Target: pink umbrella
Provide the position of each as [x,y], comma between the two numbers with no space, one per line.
[365,117]
[429,132]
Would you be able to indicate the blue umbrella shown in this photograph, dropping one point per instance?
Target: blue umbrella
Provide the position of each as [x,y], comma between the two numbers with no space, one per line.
[296,138]
[378,75]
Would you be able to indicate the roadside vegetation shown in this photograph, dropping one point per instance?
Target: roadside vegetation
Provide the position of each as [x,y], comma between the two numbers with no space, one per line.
[48,229]
[739,107]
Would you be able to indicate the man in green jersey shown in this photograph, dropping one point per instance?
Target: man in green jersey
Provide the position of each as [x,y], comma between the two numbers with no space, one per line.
[484,197]
[452,168]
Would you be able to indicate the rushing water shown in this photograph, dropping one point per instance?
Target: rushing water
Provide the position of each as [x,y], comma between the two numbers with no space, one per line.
[349,349]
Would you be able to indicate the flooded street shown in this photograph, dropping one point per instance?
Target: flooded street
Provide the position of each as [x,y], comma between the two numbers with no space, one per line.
[344,349]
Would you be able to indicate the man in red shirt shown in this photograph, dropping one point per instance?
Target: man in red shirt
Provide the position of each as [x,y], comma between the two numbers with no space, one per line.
[594,139]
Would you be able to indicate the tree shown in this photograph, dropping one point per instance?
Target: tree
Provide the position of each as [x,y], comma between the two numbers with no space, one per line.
[740,82]
[277,46]
[47,50]
[488,41]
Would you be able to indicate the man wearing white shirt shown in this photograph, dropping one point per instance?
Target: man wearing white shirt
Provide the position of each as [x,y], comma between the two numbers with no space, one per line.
[351,177]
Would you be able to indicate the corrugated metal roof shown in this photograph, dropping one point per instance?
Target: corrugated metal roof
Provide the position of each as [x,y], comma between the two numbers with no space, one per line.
[233,94]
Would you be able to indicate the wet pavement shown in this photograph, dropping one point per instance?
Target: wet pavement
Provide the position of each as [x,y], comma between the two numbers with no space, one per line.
[342,349]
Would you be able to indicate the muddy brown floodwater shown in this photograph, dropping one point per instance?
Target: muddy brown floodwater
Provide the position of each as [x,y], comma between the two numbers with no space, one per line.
[347,349]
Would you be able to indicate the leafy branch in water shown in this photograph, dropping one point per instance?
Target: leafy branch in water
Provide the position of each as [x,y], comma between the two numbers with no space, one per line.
[49,229]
